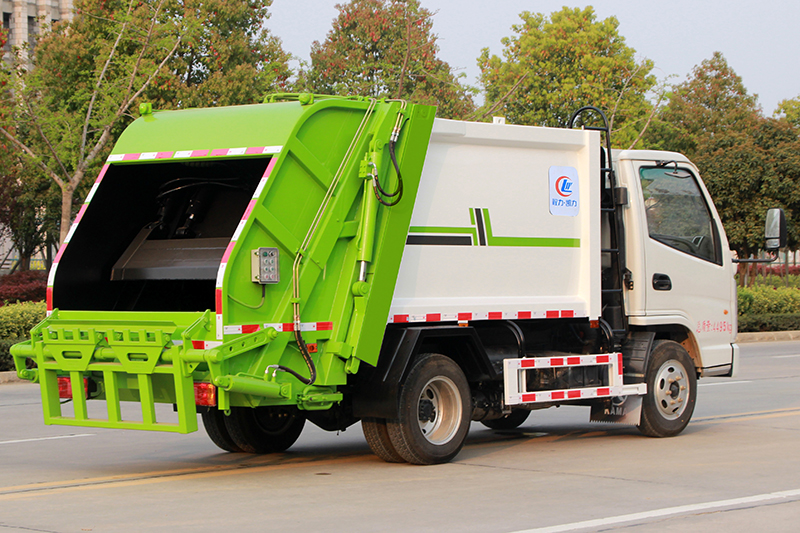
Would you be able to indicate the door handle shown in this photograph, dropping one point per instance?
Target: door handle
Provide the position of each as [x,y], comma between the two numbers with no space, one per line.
[661,282]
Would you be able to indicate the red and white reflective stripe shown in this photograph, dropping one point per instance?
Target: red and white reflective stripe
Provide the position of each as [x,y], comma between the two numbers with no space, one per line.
[205,345]
[553,362]
[184,154]
[51,276]
[221,328]
[238,330]
[281,327]
[569,394]
[515,381]
[491,315]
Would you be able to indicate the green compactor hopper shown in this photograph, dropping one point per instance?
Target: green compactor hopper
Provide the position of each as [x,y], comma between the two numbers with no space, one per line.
[233,261]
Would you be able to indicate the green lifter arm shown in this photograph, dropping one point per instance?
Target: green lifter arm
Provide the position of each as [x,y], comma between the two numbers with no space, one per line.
[273,281]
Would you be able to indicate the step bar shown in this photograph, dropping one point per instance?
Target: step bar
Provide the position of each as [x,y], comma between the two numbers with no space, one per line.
[516,393]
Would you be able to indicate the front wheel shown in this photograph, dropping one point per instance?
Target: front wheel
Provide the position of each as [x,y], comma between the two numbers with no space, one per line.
[434,412]
[671,390]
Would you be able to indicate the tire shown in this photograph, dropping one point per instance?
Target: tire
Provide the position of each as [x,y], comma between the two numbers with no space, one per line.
[214,422]
[377,436]
[264,429]
[434,412]
[671,390]
[512,420]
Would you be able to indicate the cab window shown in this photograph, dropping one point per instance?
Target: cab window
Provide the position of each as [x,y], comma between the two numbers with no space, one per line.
[677,213]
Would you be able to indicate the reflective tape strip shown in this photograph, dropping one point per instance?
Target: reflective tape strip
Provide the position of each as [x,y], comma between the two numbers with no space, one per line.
[554,362]
[491,315]
[282,327]
[183,154]
[205,345]
[238,330]
[566,394]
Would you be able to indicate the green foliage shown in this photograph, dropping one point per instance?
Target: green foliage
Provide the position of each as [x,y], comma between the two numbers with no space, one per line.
[226,56]
[386,48]
[749,163]
[762,299]
[772,322]
[790,110]
[711,102]
[92,72]
[749,172]
[6,361]
[17,320]
[553,66]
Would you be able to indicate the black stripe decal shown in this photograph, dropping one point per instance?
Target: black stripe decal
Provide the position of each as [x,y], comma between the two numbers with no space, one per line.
[481,229]
[440,240]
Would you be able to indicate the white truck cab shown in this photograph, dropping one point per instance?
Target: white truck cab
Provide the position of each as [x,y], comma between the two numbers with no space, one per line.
[678,257]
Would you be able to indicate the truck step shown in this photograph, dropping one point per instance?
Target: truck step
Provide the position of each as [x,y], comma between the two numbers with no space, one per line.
[516,380]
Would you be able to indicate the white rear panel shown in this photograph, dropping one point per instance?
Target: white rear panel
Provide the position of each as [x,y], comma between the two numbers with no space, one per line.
[506,225]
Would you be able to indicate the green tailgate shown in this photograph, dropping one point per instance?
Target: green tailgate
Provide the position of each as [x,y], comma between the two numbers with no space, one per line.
[147,332]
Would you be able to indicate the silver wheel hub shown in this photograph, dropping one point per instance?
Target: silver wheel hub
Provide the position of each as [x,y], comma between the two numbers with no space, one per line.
[439,407]
[671,389]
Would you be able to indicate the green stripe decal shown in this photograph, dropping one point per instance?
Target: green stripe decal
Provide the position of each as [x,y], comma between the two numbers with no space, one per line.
[491,239]
[550,242]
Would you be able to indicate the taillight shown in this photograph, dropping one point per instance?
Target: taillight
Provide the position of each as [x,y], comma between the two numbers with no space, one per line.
[205,394]
[65,388]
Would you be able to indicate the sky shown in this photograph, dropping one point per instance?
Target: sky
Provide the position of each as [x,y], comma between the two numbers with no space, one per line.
[760,40]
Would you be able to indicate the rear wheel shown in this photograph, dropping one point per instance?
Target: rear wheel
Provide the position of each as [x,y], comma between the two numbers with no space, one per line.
[264,429]
[377,436]
[510,421]
[434,412]
[671,390]
[214,422]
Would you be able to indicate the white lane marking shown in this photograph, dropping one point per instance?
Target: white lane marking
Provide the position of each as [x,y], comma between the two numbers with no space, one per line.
[784,356]
[656,513]
[47,438]
[722,383]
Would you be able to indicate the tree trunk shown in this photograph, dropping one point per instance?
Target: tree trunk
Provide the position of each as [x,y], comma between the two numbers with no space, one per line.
[67,192]
[24,263]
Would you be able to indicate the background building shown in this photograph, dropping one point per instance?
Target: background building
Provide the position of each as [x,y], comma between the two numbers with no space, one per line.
[23,18]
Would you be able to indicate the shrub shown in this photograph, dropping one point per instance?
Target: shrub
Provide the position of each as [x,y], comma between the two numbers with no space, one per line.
[762,299]
[28,286]
[6,361]
[769,322]
[16,322]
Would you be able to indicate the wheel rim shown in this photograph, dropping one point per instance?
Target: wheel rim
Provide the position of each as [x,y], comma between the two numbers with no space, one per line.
[671,389]
[439,409]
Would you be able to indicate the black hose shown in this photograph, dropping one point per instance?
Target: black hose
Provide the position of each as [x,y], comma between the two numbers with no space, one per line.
[380,193]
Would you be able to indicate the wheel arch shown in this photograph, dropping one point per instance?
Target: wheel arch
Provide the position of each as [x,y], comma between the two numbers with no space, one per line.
[376,389]
[674,332]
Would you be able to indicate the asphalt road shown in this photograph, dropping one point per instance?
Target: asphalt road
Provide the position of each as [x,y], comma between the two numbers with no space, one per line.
[735,468]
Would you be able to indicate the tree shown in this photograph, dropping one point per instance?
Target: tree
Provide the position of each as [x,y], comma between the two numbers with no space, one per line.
[712,101]
[93,71]
[386,48]
[23,210]
[790,109]
[227,57]
[748,172]
[553,66]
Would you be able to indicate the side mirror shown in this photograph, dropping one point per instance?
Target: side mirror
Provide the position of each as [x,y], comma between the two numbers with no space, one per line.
[775,229]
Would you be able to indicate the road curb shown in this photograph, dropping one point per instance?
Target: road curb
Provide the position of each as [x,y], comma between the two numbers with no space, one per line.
[768,336]
[9,377]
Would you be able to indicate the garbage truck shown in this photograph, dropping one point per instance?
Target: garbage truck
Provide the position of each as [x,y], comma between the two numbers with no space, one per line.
[345,259]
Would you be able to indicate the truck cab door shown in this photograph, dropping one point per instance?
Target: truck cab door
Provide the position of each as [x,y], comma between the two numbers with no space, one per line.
[682,271]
